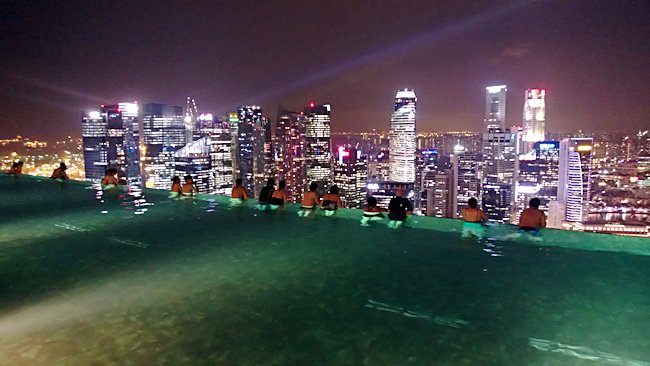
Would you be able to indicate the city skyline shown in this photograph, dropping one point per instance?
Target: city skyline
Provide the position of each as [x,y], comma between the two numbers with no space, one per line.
[447,52]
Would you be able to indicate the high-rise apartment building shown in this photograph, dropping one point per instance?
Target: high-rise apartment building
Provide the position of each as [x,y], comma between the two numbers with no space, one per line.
[119,148]
[351,176]
[441,195]
[194,159]
[534,119]
[575,177]
[402,137]
[263,163]
[318,154]
[163,130]
[290,152]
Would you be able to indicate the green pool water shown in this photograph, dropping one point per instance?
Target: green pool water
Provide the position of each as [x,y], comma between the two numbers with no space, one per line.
[123,279]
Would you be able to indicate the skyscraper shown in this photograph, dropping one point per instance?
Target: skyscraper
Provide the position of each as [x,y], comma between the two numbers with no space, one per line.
[466,179]
[538,177]
[318,155]
[119,147]
[263,167]
[402,137]
[534,119]
[498,156]
[163,130]
[575,177]
[194,159]
[290,150]
[95,144]
[247,118]
[495,107]
[351,176]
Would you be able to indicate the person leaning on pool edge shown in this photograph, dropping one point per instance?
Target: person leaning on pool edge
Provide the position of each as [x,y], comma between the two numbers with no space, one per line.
[474,218]
[532,219]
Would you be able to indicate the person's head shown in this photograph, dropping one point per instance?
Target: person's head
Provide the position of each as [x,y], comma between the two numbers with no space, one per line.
[534,202]
[270,182]
[188,179]
[62,166]
[334,189]
[238,182]
[176,179]
[372,201]
[313,186]
[20,163]
[472,202]
[111,171]
[399,192]
[282,184]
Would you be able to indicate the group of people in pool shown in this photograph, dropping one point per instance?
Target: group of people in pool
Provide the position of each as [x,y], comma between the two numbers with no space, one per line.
[530,221]
[58,173]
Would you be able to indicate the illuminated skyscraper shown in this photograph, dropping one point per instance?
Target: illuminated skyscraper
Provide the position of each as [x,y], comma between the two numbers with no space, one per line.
[498,156]
[318,155]
[194,159]
[247,118]
[575,177]
[466,179]
[263,165]
[95,144]
[495,107]
[163,132]
[538,177]
[290,150]
[534,120]
[351,176]
[120,146]
[402,137]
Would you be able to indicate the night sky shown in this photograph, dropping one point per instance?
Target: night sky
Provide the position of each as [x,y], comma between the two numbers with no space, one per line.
[592,56]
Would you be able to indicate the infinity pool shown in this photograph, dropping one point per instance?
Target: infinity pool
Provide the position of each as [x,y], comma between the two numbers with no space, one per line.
[134,278]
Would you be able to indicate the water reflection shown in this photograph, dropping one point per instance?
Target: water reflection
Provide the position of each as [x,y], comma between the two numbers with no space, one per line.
[129,197]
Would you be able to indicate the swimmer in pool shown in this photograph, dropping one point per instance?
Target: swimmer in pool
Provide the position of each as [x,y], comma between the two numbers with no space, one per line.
[310,200]
[265,194]
[397,210]
[110,179]
[279,196]
[59,173]
[474,218]
[372,212]
[188,189]
[16,168]
[331,201]
[532,219]
[238,194]
[175,192]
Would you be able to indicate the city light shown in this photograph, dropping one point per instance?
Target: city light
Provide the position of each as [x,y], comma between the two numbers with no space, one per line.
[94,115]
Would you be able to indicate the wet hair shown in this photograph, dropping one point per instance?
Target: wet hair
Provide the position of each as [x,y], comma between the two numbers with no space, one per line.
[372,201]
[472,202]
[334,189]
[270,182]
[313,186]
[111,171]
[176,179]
[188,178]
[19,163]
[282,184]
[238,182]
[534,202]
[62,166]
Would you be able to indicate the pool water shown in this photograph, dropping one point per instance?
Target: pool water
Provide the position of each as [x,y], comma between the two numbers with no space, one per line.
[135,278]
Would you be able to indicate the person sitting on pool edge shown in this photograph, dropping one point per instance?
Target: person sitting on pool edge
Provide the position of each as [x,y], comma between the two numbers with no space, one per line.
[331,201]
[310,200]
[265,195]
[59,173]
[279,196]
[238,194]
[110,179]
[532,219]
[16,168]
[188,189]
[176,187]
[474,218]
[397,209]
[372,212]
